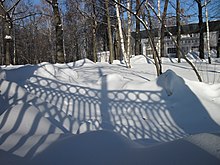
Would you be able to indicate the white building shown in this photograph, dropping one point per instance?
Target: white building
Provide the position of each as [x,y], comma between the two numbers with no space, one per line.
[189,39]
[189,42]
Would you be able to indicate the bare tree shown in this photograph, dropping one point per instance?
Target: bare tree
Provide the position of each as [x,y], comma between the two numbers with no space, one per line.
[124,53]
[59,30]
[129,6]
[109,31]
[7,13]
[138,27]
[163,18]
[201,36]
[207,27]
[159,32]
[178,30]
[155,53]
[218,45]
[182,53]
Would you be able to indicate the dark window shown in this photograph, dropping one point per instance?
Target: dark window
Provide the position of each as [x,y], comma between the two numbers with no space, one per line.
[195,47]
[171,50]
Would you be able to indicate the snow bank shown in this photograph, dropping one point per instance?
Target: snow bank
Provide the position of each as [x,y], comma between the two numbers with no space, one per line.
[98,147]
[13,94]
[19,74]
[109,148]
[55,72]
[171,82]
[26,119]
[2,74]
[194,55]
[111,82]
[81,62]
[141,59]
[38,127]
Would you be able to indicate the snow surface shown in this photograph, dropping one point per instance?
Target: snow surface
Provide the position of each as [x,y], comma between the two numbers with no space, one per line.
[97,113]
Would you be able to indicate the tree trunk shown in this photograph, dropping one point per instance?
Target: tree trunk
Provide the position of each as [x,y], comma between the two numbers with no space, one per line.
[2,47]
[152,43]
[207,27]
[14,48]
[111,56]
[129,32]
[8,42]
[59,32]
[163,29]
[201,37]
[159,27]
[124,54]
[178,39]
[94,27]
[117,45]
[218,45]
[137,34]
[94,41]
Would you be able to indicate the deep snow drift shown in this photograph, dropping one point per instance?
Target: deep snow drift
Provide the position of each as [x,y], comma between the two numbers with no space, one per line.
[87,113]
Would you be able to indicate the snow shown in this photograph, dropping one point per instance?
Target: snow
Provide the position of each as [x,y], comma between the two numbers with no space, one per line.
[8,37]
[96,113]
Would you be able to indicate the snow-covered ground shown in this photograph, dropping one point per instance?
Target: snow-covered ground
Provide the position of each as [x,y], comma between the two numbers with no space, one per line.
[97,113]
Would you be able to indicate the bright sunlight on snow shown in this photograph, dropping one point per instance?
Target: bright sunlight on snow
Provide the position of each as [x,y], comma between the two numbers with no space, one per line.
[102,114]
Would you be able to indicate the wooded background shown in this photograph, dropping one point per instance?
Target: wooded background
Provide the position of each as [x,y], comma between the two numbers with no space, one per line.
[69,30]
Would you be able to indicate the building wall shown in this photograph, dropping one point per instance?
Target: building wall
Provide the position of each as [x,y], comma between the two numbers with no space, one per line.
[189,42]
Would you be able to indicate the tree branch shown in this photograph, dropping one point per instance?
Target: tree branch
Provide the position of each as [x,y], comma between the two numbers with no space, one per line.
[31,14]
[16,3]
[183,55]
[48,1]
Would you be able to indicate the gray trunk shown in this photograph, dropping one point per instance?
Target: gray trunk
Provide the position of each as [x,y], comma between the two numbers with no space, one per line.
[162,28]
[178,30]
[109,32]
[7,42]
[201,37]
[59,32]
[137,35]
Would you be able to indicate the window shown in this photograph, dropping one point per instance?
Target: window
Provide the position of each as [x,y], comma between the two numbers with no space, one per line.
[171,50]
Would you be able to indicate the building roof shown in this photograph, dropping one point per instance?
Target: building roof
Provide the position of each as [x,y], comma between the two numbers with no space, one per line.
[185,29]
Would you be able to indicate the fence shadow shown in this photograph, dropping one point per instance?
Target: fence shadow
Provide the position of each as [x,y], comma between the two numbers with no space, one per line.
[142,116]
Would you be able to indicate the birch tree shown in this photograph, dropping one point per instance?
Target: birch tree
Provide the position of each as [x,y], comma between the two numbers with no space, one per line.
[123,51]
[159,32]
[152,44]
[155,53]
[207,29]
